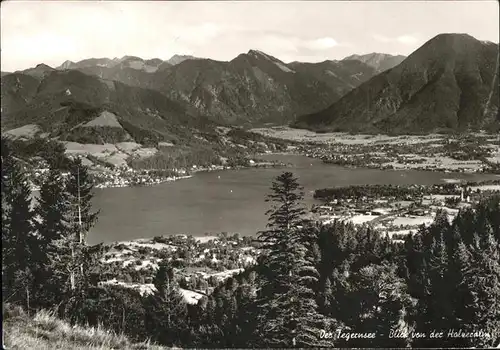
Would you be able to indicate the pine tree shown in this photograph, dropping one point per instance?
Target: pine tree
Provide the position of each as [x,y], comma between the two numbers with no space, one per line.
[53,153]
[379,301]
[166,308]
[246,317]
[56,266]
[52,209]
[231,326]
[462,296]
[287,305]
[280,238]
[483,282]
[326,297]
[435,308]
[18,240]
[460,278]
[286,211]
[79,189]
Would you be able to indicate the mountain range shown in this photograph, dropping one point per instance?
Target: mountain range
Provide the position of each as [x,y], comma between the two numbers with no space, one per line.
[161,98]
[449,84]
[257,88]
[252,88]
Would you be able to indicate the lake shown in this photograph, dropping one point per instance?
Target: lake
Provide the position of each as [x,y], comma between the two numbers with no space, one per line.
[230,200]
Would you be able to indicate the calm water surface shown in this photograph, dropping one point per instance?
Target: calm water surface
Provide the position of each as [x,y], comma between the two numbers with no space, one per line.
[231,200]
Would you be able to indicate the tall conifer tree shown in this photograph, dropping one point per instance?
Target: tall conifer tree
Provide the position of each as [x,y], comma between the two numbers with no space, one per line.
[79,189]
[18,240]
[52,224]
[166,308]
[288,309]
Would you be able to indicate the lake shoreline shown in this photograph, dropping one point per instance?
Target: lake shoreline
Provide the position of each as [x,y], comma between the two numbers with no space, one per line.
[433,152]
[231,200]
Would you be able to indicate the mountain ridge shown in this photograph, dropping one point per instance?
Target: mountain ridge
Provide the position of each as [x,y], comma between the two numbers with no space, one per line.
[65,99]
[446,84]
[252,88]
[255,88]
[380,61]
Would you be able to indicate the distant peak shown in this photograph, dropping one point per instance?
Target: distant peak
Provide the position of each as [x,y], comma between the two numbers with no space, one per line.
[131,58]
[463,37]
[261,54]
[456,42]
[370,55]
[176,59]
[176,56]
[454,37]
[66,64]
[256,52]
[457,35]
[43,65]
[154,60]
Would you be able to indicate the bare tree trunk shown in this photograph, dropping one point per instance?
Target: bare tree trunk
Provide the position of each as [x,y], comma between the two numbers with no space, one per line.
[72,280]
[28,299]
[79,209]
[80,231]
[168,291]
[72,273]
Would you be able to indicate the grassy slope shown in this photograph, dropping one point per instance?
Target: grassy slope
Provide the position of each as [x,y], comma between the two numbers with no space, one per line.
[45,331]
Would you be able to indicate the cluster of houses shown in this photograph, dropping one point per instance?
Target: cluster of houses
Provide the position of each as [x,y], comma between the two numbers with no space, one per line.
[422,156]
[124,177]
[394,216]
[200,263]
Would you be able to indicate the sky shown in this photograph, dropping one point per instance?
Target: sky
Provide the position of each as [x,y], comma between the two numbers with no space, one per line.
[34,32]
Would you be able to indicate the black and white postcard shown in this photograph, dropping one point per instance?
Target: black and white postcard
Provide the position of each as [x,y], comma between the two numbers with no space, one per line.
[250,174]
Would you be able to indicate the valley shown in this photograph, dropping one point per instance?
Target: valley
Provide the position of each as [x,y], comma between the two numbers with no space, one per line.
[203,261]
[138,122]
[468,153]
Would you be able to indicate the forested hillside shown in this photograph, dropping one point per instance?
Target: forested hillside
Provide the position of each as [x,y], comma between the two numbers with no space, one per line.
[448,84]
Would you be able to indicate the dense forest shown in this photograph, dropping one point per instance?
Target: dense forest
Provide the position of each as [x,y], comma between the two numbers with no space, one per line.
[314,285]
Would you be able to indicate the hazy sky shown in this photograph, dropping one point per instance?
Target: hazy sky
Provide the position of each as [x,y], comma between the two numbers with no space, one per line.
[33,32]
